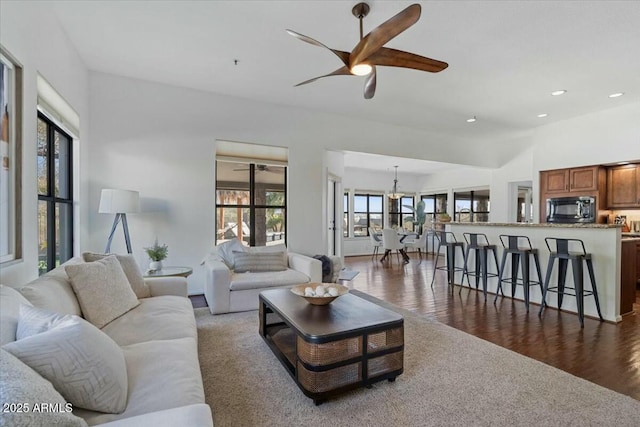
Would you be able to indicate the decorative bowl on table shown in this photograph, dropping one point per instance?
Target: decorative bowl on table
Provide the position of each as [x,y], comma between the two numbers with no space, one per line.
[320,293]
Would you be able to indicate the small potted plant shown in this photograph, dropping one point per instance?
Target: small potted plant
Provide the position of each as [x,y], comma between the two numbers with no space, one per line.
[156,253]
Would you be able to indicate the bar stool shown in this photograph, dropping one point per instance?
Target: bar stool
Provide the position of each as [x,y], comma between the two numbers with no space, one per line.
[479,243]
[564,255]
[448,240]
[519,255]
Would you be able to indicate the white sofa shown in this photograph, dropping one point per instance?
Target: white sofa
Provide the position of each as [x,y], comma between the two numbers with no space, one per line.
[159,341]
[229,291]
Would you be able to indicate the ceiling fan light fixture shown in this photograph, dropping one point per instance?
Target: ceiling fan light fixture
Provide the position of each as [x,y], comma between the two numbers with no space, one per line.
[361,69]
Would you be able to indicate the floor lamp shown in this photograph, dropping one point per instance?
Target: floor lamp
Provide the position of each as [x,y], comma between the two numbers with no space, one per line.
[119,202]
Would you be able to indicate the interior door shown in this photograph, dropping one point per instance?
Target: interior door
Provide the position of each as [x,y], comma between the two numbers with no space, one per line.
[331,216]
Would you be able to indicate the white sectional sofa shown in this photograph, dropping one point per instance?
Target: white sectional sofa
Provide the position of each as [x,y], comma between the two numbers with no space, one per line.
[228,290]
[158,339]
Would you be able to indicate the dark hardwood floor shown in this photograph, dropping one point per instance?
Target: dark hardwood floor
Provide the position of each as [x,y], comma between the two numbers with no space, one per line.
[604,353]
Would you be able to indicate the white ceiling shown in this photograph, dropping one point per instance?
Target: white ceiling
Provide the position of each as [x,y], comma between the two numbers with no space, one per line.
[505,57]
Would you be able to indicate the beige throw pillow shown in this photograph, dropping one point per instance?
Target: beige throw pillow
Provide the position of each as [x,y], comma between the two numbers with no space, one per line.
[82,362]
[102,289]
[131,270]
[259,262]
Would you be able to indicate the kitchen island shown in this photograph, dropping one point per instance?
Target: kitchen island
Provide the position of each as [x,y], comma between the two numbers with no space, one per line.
[603,241]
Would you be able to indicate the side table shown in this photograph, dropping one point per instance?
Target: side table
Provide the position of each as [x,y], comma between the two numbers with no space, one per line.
[169,271]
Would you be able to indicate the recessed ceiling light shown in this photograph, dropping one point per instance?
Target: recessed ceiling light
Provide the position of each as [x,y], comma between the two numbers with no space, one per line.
[471,120]
[558,92]
[542,115]
[615,95]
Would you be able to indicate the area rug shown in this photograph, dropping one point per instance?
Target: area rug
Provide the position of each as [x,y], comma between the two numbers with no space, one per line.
[450,378]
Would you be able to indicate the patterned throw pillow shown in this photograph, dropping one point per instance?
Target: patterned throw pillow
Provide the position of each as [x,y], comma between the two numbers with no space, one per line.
[260,262]
[131,270]
[35,320]
[102,289]
[86,366]
[22,386]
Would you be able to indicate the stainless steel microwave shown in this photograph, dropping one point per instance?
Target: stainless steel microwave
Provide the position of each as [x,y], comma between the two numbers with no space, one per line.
[571,210]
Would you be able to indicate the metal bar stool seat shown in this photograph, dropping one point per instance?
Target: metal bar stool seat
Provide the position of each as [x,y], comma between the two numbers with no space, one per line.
[564,255]
[521,251]
[448,240]
[479,244]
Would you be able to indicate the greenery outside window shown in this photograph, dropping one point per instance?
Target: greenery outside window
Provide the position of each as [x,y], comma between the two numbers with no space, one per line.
[251,202]
[55,195]
[367,212]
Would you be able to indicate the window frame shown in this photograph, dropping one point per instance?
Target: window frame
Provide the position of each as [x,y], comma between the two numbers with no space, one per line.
[52,200]
[472,211]
[435,196]
[253,206]
[13,158]
[368,212]
[396,212]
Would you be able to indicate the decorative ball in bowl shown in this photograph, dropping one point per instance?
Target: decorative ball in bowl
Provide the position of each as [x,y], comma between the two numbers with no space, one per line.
[320,293]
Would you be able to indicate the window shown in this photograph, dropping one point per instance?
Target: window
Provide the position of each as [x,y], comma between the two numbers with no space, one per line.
[55,195]
[471,206]
[10,158]
[345,203]
[434,204]
[251,202]
[398,212]
[367,212]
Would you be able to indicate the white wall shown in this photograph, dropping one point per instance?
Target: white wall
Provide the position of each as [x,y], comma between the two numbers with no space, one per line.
[34,38]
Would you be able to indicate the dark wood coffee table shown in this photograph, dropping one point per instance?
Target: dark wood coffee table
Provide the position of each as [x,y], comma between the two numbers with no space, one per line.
[332,348]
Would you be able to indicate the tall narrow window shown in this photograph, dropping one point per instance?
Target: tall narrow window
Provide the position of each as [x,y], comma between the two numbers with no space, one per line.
[10,158]
[251,203]
[367,212]
[55,195]
[345,224]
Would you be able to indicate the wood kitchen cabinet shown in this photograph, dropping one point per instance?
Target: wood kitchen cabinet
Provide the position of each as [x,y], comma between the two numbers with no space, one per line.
[623,187]
[584,181]
[570,180]
[629,274]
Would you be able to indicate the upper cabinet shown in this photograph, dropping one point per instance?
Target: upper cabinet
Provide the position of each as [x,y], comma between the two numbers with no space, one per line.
[623,187]
[570,180]
[584,181]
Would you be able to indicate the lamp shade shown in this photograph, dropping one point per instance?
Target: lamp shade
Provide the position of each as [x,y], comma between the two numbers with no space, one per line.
[119,201]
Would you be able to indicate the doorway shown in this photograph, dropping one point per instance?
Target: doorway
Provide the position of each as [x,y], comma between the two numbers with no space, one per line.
[334,232]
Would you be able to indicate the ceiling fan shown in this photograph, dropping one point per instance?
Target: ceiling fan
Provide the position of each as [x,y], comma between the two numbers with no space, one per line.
[370,50]
[263,168]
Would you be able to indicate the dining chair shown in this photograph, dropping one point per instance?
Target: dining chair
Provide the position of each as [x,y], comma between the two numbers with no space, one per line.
[419,243]
[391,242]
[375,241]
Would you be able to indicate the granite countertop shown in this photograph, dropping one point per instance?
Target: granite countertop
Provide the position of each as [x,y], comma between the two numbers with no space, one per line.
[530,224]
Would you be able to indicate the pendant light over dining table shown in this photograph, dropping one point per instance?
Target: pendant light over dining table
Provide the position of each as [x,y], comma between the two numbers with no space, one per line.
[394,192]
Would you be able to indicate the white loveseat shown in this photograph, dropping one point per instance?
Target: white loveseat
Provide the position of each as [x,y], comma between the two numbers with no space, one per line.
[158,339]
[227,290]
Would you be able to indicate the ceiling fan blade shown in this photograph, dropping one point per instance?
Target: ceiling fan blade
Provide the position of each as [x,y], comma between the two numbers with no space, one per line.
[342,71]
[380,35]
[370,84]
[344,56]
[398,58]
